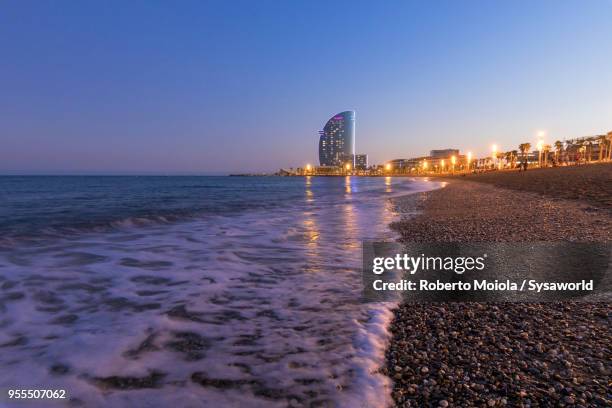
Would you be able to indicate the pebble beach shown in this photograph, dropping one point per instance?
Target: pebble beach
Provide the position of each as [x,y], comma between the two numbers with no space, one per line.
[506,354]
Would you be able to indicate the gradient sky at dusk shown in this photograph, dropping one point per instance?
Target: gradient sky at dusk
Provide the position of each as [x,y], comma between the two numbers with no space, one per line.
[229,86]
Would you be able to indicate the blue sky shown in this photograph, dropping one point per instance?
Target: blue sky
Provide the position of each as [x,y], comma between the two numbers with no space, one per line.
[227,86]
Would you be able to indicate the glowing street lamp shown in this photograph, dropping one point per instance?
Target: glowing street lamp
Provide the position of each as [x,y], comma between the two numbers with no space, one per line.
[540,147]
[308,168]
[469,159]
[424,164]
[453,161]
[494,154]
[388,166]
[442,164]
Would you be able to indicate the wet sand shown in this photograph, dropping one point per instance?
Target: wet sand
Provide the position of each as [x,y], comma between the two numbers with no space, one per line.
[470,354]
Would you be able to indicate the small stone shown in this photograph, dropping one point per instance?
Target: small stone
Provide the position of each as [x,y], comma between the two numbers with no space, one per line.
[569,400]
[425,370]
[443,403]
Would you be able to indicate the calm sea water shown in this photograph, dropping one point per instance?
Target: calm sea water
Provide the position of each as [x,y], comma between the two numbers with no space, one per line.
[223,291]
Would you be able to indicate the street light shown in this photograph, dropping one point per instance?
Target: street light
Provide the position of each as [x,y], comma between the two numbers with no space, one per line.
[424,164]
[469,159]
[388,166]
[442,165]
[494,150]
[308,168]
[453,161]
[540,147]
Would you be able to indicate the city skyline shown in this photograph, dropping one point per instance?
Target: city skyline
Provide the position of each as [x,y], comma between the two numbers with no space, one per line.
[214,87]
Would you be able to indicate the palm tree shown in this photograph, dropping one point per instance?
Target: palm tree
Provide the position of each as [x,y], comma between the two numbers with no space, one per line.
[508,158]
[577,145]
[524,148]
[546,150]
[574,147]
[582,147]
[590,148]
[558,150]
[602,142]
[514,156]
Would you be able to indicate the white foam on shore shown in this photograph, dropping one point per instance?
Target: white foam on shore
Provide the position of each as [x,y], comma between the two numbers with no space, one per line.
[259,309]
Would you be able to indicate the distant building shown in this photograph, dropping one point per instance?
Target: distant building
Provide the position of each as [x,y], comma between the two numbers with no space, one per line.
[427,163]
[443,153]
[361,161]
[328,171]
[399,164]
[406,165]
[337,140]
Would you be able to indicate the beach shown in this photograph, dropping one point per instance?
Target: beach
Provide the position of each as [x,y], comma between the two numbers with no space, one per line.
[514,354]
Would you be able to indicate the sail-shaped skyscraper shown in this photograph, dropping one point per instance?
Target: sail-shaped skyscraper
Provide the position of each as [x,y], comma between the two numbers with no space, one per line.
[337,140]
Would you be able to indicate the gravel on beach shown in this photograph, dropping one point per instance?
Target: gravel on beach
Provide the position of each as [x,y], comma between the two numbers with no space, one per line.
[512,354]
[467,211]
[591,183]
[502,354]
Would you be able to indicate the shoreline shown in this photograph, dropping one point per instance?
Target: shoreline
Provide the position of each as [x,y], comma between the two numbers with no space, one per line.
[374,335]
[486,354]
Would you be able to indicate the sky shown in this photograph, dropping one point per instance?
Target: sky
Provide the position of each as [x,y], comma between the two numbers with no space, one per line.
[209,87]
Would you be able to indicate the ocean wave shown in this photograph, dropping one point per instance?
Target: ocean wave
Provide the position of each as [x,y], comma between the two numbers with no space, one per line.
[257,308]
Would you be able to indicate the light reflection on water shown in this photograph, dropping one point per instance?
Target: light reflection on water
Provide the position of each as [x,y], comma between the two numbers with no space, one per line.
[308,189]
[388,188]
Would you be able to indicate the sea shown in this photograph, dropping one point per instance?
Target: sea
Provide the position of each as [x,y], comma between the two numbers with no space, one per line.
[193,291]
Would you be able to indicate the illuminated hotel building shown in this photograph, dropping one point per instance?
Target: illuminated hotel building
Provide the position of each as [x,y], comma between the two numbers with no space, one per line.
[337,140]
